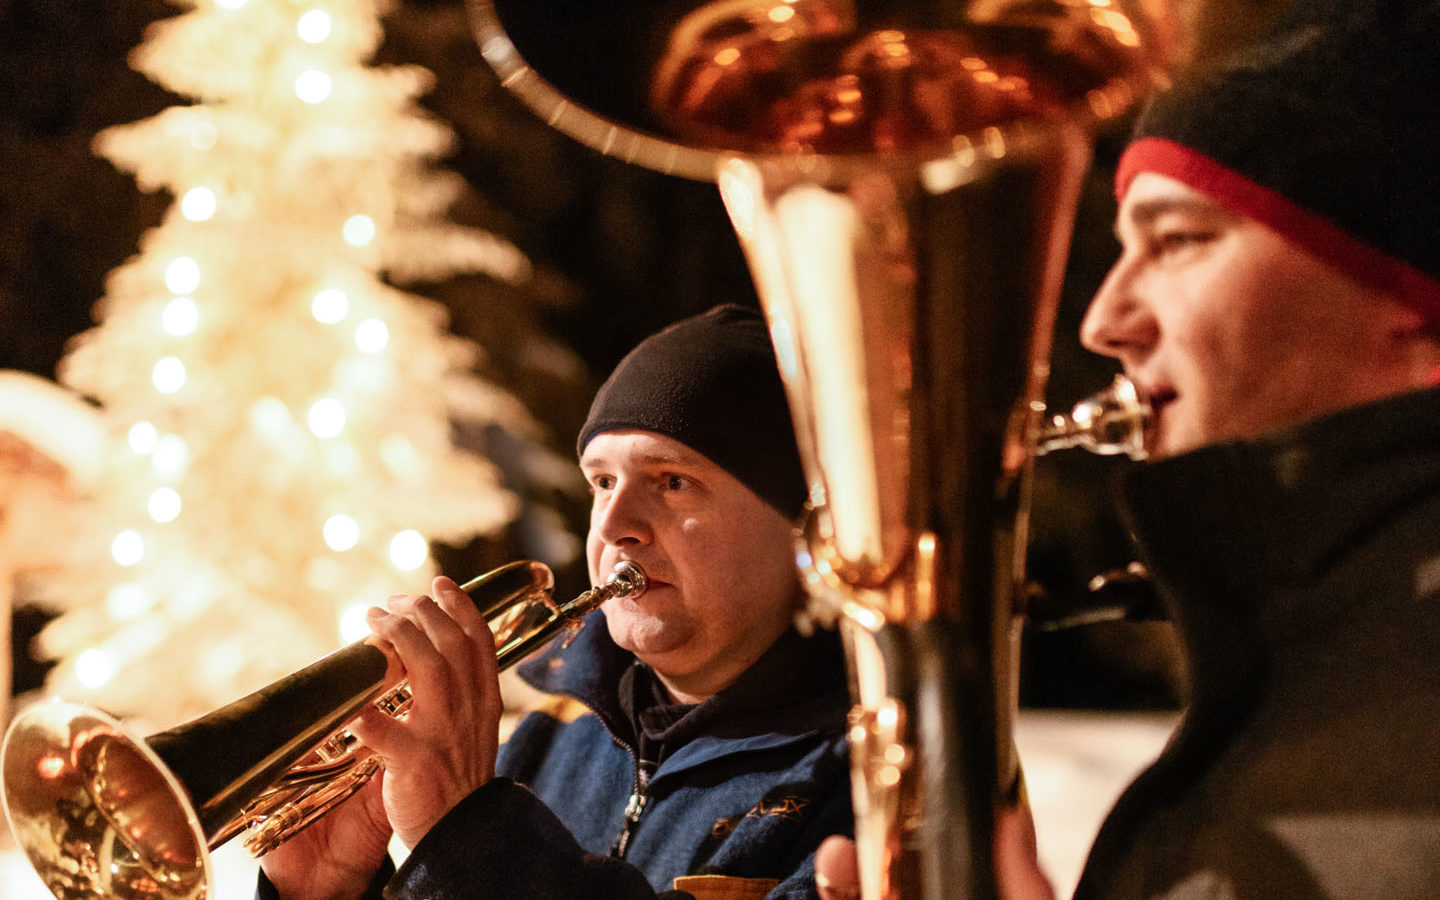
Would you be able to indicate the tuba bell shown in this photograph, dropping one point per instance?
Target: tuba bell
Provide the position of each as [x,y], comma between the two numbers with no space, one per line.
[102,814]
[901,177]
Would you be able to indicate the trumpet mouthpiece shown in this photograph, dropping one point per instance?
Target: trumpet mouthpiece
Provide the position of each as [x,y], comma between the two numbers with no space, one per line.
[627,579]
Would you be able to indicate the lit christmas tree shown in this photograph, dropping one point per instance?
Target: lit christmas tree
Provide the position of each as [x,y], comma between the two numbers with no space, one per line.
[281,414]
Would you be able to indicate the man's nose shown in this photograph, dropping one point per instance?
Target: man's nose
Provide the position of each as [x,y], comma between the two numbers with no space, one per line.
[1119,323]
[623,517]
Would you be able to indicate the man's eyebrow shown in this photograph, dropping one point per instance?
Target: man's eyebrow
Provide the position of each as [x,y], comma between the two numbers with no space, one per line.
[1144,212]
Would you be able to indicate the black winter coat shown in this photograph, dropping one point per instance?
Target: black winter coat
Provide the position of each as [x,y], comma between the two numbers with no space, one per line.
[1303,573]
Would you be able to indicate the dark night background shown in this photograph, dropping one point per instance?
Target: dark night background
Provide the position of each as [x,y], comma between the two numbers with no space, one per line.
[621,251]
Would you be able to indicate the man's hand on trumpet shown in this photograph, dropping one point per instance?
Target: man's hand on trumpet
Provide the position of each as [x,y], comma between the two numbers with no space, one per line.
[434,758]
[446,747]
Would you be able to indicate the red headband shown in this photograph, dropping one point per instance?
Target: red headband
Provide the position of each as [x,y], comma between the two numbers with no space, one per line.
[1310,231]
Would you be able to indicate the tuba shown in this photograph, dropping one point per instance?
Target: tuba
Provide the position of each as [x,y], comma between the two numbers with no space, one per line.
[102,814]
[902,178]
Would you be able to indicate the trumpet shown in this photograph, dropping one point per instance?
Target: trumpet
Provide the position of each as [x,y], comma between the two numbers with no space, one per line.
[102,814]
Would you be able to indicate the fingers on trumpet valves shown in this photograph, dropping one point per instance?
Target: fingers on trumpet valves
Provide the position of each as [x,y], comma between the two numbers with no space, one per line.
[460,607]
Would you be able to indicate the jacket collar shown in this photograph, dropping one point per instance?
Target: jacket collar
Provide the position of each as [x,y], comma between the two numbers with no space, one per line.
[797,687]
[1236,534]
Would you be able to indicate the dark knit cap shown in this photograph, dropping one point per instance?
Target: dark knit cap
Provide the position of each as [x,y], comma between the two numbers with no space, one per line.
[711,383]
[1327,132]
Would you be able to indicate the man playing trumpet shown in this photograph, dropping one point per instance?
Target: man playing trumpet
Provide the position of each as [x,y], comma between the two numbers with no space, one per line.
[700,744]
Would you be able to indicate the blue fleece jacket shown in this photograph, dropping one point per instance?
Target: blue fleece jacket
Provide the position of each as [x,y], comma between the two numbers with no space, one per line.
[749,783]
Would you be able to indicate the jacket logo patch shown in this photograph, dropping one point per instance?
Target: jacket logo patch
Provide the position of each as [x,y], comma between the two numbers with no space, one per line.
[784,807]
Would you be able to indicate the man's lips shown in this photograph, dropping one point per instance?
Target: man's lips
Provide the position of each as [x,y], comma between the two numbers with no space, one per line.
[1158,398]
[652,580]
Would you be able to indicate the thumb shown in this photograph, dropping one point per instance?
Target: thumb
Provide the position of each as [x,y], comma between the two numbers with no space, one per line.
[837,873]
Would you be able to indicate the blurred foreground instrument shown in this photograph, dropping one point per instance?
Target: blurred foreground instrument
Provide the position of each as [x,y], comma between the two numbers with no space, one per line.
[102,814]
[902,179]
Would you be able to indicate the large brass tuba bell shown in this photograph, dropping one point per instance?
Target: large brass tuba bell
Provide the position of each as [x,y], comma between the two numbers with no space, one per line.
[902,177]
[102,814]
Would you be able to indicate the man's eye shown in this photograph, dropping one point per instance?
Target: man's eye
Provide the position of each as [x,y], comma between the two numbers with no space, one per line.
[1177,241]
[676,482]
[601,483]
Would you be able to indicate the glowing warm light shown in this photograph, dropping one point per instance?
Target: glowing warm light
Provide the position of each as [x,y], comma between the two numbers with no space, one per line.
[353,626]
[171,457]
[128,547]
[164,504]
[204,135]
[326,417]
[312,86]
[51,766]
[727,57]
[180,316]
[398,453]
[359,230]
[198,204]
[780,14]
[168,376]
[270,415]
[409,550]
[341,532]
[887,717]
[127,600]
[231,4]
[94,668]
[142,438]
[371,336]
[1119,25]
[313,26]
[342,459]
[330,306]
[182,275]
[739,195]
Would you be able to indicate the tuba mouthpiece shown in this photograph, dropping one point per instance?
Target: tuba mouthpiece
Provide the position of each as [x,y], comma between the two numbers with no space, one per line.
[1107,423]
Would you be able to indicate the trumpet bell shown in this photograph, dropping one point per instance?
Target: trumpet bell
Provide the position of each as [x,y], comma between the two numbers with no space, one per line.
[97,811]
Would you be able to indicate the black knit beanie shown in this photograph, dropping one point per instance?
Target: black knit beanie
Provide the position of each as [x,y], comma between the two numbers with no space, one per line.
[711,383]
[1327,132]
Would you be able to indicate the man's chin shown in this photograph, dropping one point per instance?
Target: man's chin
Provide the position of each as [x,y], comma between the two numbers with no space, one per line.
[640,634]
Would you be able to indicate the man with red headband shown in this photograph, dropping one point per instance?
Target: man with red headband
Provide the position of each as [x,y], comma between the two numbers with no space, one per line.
[1277,301]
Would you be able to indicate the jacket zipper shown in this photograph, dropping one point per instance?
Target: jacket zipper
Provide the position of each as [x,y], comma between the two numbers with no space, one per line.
[634,807]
